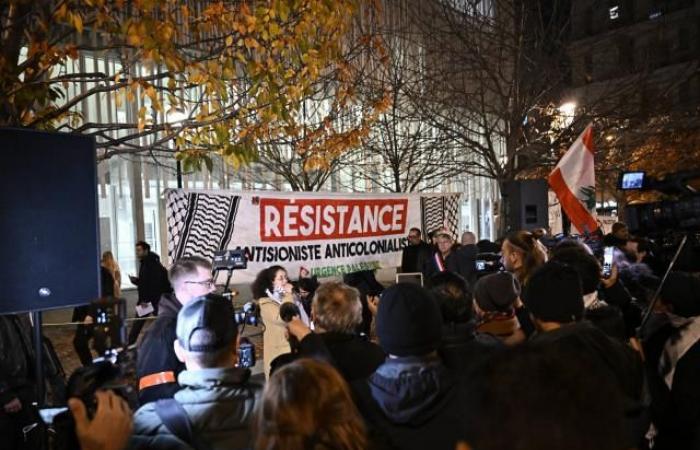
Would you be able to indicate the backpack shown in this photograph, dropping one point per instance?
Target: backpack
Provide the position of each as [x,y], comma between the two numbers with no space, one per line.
[176,420]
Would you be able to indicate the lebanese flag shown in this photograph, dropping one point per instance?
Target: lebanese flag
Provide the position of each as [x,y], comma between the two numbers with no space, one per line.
[573,180]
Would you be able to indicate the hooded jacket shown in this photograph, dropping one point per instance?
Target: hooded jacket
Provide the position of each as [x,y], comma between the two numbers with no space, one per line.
[411,403]
[219,403]
[156,353]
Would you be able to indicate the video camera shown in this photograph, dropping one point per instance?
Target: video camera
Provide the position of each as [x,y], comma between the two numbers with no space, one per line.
[249,314]
[230,260]
[487,263]
[111,371]
[682,212]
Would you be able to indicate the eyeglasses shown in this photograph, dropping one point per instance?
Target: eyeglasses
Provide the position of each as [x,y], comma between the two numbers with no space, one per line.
[206,283]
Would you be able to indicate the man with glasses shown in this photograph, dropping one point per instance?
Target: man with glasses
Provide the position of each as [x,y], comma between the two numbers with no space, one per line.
[416,253]
[157,365]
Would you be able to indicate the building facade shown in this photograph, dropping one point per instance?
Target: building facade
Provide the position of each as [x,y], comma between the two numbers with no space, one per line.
[130,186]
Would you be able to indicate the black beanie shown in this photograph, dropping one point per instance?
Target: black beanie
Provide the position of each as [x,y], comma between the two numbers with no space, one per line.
[682,292]
[408,321]
[553,294]
[497,292]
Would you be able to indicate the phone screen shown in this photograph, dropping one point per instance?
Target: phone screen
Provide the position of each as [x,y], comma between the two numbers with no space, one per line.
[608,261]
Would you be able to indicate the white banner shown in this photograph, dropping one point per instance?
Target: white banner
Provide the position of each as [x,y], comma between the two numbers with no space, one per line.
[329,234]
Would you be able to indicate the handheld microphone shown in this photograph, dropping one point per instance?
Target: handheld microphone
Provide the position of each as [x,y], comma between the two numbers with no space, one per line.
[287,312]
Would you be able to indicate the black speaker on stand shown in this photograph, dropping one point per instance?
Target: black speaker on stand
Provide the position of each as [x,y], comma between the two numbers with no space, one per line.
[48,225]
[527,205]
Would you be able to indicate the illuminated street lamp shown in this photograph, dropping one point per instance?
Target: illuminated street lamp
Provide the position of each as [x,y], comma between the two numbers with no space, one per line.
[566,113]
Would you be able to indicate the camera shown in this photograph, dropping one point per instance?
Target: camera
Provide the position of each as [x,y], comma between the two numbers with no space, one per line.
[112,371]
[487,263]
[247,315]
[230,260]
[681,210]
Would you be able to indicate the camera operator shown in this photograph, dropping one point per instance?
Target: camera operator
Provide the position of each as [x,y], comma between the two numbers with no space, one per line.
[157,365]
[17,388]
[336,312]
[215,406]
[110,427]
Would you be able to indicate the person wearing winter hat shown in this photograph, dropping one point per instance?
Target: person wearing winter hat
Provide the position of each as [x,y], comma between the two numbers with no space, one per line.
[495,296]
[554,297]
[672,350]
[411,401]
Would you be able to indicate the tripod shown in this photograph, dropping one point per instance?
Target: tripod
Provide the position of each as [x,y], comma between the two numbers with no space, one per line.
[655,299]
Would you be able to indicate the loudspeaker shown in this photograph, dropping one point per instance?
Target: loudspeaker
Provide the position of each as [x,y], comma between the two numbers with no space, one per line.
[526,204]
[49,221]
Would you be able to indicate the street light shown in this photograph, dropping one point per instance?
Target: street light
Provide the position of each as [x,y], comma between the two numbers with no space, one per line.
[567,111]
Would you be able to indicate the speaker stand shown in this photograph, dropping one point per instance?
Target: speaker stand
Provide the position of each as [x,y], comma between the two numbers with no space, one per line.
[38,359]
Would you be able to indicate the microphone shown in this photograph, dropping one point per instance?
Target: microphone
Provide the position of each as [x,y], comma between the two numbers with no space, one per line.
[287,312]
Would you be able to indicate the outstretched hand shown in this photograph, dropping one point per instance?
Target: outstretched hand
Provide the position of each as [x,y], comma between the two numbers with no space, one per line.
[373,304]
[297,328]
[612,279]
[110,429]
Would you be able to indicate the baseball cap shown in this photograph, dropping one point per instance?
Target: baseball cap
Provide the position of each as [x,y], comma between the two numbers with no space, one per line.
[206,324]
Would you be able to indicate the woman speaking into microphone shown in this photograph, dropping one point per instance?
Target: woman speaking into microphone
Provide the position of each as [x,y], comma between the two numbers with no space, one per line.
[272,288]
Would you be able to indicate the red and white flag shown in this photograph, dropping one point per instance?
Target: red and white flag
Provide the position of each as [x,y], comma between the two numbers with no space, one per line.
[573,180]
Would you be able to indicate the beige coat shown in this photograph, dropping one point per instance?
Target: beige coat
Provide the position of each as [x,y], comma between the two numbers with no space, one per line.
[274,337]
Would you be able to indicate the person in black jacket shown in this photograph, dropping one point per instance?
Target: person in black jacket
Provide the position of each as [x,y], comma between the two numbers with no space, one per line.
[450,257]
[555,300]
[468,252]
[416,253]
[540,398]
[462,348]
[157,366]
[17,386]
[672,347]
[412,401]
[365,282]
[152,283]
[336,312]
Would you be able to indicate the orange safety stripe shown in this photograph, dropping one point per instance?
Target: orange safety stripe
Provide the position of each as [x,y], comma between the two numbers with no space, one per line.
[155,379]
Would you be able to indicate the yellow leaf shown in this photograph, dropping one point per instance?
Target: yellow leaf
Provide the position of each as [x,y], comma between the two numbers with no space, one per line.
[78,22]
[151,93]
[61,11]
[229,41]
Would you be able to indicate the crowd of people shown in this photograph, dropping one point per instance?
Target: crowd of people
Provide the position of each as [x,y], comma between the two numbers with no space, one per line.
[547,353]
